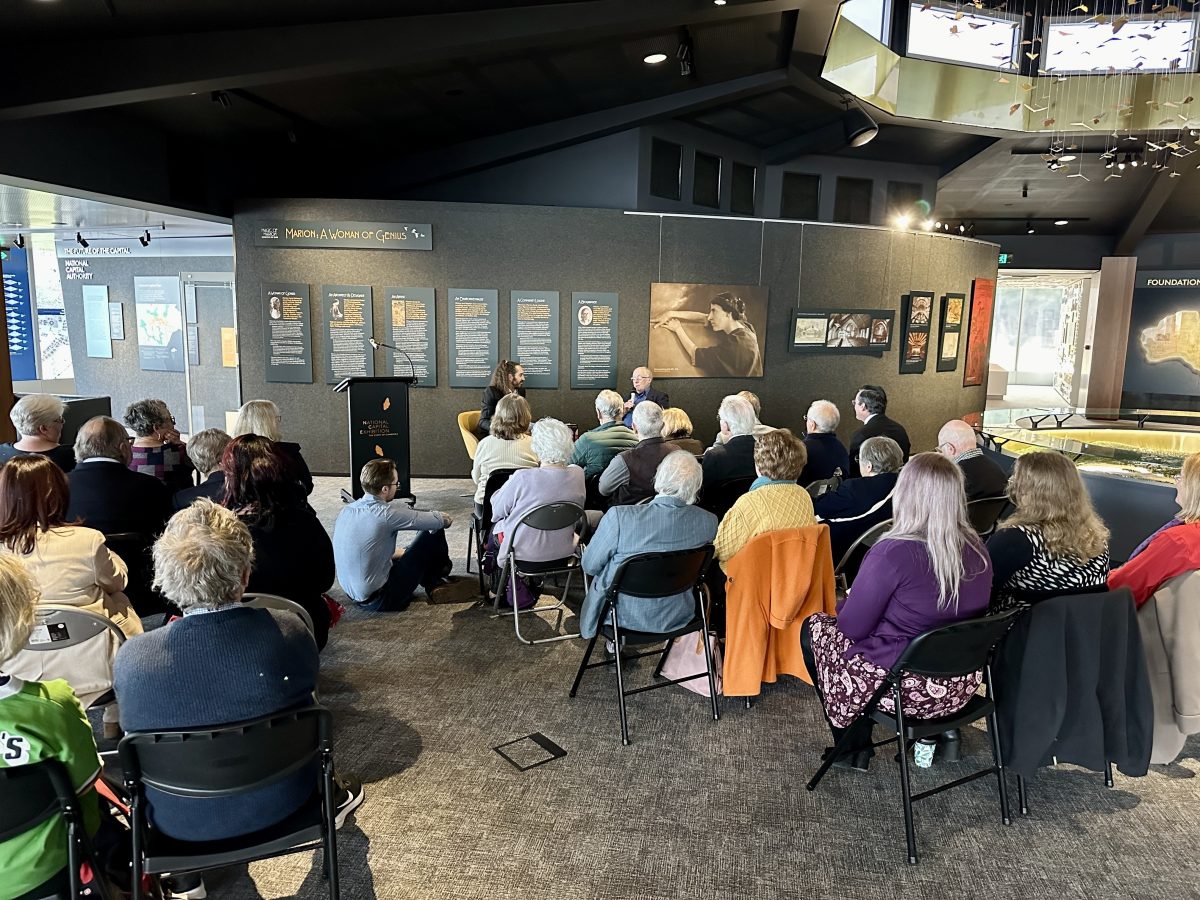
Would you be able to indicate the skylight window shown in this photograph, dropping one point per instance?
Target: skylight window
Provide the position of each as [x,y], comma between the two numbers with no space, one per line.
[1122,44]
[964,37]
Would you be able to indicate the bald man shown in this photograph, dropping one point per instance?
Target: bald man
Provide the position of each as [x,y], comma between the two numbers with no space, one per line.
[641,379]
[984,478]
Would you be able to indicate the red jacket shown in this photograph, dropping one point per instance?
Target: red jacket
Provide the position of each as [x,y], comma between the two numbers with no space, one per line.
[1173,552]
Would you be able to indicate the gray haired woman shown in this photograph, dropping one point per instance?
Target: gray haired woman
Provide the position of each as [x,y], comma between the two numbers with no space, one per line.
[861,503]
[38,419]
[157,448]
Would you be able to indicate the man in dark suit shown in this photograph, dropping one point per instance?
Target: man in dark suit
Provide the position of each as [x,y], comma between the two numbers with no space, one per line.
[826,453]
[105,493]
[642,380]
[732,459]
[870,408]
[984,478]
[204,450]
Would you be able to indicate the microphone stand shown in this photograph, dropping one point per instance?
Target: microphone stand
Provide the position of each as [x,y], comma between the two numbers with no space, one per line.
[375,345]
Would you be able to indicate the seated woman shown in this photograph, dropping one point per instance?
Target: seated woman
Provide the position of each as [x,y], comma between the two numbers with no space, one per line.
[774,500]
[1173,549]
[38,419]
[930,570]
[157,448]
[293,555]
[72,566]
[262,417]
[509,446]
[1054,543]
[677,428]
[668,522]
[859,504]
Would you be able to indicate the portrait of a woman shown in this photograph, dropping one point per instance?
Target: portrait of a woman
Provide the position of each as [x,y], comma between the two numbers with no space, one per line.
[735,351]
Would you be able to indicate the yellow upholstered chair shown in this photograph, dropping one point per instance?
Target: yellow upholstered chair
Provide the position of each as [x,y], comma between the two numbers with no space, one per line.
[467,422]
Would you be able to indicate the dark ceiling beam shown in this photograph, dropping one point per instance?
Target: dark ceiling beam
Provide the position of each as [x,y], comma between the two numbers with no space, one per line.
[165,66]
[1162,186]
[819,139]
[965,155]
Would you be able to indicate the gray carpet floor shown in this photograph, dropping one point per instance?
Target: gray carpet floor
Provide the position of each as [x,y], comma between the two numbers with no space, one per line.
[692,808]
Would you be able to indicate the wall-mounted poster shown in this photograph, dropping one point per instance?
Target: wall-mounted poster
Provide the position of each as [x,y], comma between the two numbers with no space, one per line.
[594,337]
[413,316]
[116,320]
[707,330]
[949,331]
[287,338]
[916,313]
[474,344]
[983,296]
[349,322]
[533,338]
[841,331]
[159,323]
[97,325]
[19,314]
[1162,359]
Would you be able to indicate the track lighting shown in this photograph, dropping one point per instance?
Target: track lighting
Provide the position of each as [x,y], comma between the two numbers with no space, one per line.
[80,241]
[19,242]
[859,128]
[144,239]
[1029,229]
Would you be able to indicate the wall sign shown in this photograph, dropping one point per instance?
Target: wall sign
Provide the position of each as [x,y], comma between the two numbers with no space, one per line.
[287,350]
[533,338]
[18,311]
[116,320]
[412,314]
[345,235]
[97,325]
[474,344]
[159,323]
[349,321]
[594,337]
[1162,359]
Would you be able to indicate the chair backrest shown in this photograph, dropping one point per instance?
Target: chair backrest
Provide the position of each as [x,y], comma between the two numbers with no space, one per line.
[661,574]
[985,512]
[274,601]
[60,627]
[495,480]
[720,497]
[548,517]
[958,649]
[467,423]
[31,794]
[229,759]
[824,485]
[861,545]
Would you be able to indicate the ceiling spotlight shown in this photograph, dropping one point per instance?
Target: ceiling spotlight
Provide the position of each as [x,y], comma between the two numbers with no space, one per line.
[19,242]
[221,98]
[937,224]
[1135,161]
[971,230]
[902,220]
[927,224]
[719,2]
[654,59]
[79,240]
[144,239]
[1029,229]
[1054,165]
[1121,165]
[1108,164]
[1061,222]
[962,227]
[859,128]
[684,54]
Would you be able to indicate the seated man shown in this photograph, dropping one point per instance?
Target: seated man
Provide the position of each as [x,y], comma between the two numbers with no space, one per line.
[826,453]
[629,478]
[105,494]
[984,478]
[642,379]
[223,662]
[870,408]
[759,428]
[373,573]
[734,457]
[595,449]
[204,450]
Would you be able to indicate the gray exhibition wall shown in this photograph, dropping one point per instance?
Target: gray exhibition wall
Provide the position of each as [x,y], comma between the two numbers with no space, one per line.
[550,248]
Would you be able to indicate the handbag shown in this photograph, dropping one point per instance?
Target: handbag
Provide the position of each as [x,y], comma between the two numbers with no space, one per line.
[686,657]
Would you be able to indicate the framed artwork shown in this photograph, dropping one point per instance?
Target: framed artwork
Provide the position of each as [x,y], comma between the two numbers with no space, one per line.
[916,314]
[983,297]
[707,330]
[949,331]
[867,331]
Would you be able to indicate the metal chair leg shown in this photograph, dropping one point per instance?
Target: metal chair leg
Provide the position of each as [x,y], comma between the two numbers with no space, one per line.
[1108,774]
[73,857]
[910,832]
[331,831]
[135,867]
[1022,799]
[620,679]
[587,656]
[828,762]
[472,545]
[662,660]
[708,662]
[998,761]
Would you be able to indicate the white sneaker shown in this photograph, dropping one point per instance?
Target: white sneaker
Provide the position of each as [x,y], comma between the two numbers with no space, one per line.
[171,892]
[349,796]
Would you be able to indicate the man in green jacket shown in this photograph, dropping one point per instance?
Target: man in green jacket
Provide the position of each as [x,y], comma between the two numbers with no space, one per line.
[596,448]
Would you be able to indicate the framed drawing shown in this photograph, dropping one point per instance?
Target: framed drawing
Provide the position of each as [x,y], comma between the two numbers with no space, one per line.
[983,296]
[840,331]
[949,331]
[916,313]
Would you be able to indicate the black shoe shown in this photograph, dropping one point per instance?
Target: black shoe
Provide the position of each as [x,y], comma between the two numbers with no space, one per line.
[859,760]
[348,796]
[949,746]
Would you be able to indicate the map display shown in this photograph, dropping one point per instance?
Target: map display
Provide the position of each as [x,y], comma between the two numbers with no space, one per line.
[159,324]
[1173,338]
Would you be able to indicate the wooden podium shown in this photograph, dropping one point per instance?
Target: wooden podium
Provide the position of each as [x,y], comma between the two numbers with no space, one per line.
[379,427]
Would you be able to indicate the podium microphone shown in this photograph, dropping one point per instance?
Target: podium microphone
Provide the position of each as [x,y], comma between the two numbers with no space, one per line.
[375,345]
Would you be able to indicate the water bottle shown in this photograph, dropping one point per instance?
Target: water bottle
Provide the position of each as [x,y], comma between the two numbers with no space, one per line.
[923,752]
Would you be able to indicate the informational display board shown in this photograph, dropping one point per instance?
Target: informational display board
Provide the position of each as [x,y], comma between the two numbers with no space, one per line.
[473,336]
[349,322]
[1162,360]
[97,324]
[533,338]
[412,326]
[116,320]
[287,350]
[594,339]
[18,312]
[159,323]
[345,235]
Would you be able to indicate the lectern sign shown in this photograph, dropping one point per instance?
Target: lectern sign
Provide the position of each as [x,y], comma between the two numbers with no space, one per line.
[345,235]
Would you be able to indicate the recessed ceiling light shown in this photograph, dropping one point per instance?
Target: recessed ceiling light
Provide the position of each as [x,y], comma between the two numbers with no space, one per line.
[719,2]
[655,58]
[1061,222]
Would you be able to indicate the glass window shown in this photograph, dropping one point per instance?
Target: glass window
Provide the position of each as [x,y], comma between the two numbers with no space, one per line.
[852,202]
[869,15]
[666,164]
[1027,330]
[965,37]
[742,189]
[706,180]
[1162,45]
[801,196]
[1006,320]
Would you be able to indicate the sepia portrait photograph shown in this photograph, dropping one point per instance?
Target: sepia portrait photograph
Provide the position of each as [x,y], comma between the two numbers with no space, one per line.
[707,330]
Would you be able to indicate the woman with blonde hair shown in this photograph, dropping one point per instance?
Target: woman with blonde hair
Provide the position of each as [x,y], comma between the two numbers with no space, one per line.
[930,570]
[677,428]
[1173,549]
[1054,543]
[509,446]
[262,417]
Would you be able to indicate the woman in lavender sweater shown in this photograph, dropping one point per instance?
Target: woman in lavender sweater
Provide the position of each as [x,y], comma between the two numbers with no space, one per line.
[930,570]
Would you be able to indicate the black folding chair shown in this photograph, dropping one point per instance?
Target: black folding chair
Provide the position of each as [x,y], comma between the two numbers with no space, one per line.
[651,575]
[481,524]
[719,498]
[274,601]
[226,761]
[32,794]
[953,650]
[547,517]
[824,485]
[985,513]
[847,567]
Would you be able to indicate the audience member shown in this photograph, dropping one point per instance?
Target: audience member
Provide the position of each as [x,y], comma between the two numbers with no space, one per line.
[642,380]
[1054,543]
[507,378]
[677,428]
[222,663]
[759,428]
[826,453]
[667,523]
[859,504]
[262,417]
[71,565]
[733,457]
[595,449]
[774,501]
[509,446]
[205,450]
[105,493]
[157,447]
[629,477]
[930,570]
[38,419]
[1170,551]
[870,408]
[984,478]
[293,556]
[373,572]
[39,720]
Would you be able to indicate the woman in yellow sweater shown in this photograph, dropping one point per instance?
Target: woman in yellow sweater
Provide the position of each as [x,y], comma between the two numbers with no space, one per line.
[774,501]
